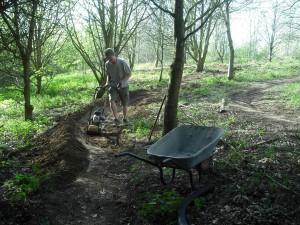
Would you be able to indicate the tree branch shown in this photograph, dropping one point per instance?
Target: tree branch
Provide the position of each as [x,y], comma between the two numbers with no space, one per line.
[190,9]
[203,23]
[163,9]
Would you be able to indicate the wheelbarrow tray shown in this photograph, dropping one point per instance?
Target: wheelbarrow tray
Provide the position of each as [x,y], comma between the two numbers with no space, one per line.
[186,146]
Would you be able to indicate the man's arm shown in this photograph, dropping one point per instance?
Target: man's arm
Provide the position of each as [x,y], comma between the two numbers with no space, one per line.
[107,76]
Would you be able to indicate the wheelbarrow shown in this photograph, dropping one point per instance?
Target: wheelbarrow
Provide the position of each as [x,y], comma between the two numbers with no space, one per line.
[185,148]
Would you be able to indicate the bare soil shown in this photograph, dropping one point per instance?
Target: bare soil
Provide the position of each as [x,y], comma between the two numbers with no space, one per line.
[90,186]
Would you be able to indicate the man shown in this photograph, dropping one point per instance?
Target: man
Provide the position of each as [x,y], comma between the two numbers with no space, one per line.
[118,73]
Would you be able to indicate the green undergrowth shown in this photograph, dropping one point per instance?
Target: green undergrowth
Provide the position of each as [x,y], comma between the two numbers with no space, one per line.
[162,206]
[291,92]
[148,80]
[213,83]
[22,185]
[64,94]
[68,92]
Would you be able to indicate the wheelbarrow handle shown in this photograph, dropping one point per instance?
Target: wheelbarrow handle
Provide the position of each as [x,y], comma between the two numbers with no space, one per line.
[158,166]
[137,157]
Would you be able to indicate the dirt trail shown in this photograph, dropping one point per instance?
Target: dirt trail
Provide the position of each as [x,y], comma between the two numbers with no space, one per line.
[259,104]
[95,196]
[96,193]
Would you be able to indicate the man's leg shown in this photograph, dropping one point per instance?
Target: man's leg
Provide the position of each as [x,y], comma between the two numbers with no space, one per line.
[124,112]
[124,96]
[113,96]
[113,107]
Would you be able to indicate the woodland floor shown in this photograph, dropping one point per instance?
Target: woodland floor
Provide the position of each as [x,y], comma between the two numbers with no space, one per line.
[90,186]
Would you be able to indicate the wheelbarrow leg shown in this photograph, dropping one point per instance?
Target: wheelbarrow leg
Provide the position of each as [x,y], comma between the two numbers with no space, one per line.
[199,169]
[191,179]
[161,175]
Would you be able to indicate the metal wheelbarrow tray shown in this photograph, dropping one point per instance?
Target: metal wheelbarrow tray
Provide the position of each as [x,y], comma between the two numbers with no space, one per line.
[185,147]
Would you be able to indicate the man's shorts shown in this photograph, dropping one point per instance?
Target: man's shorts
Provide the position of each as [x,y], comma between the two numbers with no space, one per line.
[115,94]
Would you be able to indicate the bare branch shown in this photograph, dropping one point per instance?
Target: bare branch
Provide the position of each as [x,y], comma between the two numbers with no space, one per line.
[208,14]
[190,10]
[163,9]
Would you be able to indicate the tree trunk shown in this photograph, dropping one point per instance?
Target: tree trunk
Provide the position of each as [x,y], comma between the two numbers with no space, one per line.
[271,49]
[157,58]
[39,71]
[39,84]
[131,60]
[162,61]
[201,62]
[230,74]
[170,114]
[26,91]
[200,65]
[270,54]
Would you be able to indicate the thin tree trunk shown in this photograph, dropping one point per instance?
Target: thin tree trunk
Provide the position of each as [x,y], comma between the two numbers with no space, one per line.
[230,74]
[202,57]
[271,49]
[270,54]
[162,62]
[200,65]
[26,91]
[170,114]
[157,57]
[38,68]
[39,84]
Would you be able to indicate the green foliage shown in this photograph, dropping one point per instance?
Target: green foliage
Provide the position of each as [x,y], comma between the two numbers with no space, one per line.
[212,87]
[253,72]
[66,93]
[231,119]
[23,184]
[141,127]
[199,203]
[291,93]
[66,59]
[7,164]
[235,152]
[270,152]
[20,130]
[160,205]
[148,80]
[3,147]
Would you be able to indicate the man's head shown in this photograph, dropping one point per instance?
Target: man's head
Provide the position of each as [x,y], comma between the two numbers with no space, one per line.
[109,55]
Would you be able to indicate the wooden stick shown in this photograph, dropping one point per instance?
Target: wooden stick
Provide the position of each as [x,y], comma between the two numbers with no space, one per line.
[150,135]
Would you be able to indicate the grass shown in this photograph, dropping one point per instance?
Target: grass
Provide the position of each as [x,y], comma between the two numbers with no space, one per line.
[160,205]
[18,188]
[215,85]
[66,93]
[148,80]
[291,93]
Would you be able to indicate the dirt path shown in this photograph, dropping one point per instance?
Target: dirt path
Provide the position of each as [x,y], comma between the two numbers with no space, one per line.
[260,103]
[97,195]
